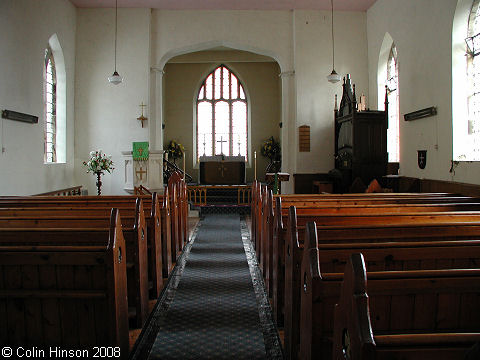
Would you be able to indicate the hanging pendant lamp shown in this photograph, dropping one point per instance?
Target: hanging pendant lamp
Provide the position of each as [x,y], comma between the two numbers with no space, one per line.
[333,77]
[115,78]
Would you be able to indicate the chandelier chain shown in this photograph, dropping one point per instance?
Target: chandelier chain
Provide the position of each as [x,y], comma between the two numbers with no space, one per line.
[333,41]
[116,10]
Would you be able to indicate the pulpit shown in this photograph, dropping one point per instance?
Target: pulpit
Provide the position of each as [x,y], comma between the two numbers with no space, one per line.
[222,170]
[148,173]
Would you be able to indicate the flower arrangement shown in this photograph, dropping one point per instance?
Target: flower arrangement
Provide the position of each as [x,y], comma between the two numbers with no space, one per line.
[175,150]
[99,162]
[271,149]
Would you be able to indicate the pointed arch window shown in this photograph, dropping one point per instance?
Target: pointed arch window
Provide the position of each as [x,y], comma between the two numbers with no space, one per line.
[222,115]
[473,74]
[50,104]
[393,133]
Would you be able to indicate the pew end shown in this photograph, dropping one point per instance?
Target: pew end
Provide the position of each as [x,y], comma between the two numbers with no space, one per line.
[357,314]
[352,334]
[310,274]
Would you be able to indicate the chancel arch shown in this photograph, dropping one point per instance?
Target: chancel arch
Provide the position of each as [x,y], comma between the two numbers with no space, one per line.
[183,80]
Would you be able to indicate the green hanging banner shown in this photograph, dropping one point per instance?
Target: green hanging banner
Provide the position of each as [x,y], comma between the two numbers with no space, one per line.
[140,150]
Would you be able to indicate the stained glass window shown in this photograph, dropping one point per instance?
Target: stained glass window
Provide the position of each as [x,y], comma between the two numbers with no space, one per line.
[50,100]
[473,73]
[222,119]
[393,134]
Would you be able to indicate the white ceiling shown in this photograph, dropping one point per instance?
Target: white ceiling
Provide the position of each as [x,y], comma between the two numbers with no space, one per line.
[342,5]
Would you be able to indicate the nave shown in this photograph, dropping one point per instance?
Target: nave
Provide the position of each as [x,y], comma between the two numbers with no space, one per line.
[214,305]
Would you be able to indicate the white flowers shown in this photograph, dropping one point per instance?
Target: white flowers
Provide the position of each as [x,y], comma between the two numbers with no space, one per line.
[99,162]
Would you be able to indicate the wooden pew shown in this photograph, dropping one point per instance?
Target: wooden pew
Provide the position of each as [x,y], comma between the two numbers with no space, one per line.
[134,232]
[280,232]
[399,228]
[178,230]
[259,223]
[157,217]
[321,260]
[266,240]
[68,296]
[179,211]
[253,209]
[445,304]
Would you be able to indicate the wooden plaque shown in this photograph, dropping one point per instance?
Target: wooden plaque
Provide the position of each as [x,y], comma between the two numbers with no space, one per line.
[304,138]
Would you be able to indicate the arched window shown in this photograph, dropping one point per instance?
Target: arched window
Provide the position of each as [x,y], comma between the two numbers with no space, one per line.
[466,71]
[50,101]
[473,74]
[393,134]
[222,110]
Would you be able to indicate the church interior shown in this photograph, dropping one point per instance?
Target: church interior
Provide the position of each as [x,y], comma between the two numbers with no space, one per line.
[218,179]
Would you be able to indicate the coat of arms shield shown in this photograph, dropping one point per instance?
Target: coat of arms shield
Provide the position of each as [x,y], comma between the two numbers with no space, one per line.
[422,158]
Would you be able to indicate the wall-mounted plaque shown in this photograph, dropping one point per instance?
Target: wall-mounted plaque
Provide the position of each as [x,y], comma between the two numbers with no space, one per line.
[304,138]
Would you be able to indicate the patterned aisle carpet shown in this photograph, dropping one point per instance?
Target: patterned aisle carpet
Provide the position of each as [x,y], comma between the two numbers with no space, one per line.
[212,306]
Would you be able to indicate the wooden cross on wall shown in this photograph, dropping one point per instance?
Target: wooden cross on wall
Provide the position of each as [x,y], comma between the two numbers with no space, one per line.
[141,117]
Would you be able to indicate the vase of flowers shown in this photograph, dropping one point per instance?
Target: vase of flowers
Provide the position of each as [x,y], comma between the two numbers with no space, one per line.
[271,150]
[175,150]
[98,163]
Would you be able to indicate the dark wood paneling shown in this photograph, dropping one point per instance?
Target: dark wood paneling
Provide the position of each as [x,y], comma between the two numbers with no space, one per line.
[303,183]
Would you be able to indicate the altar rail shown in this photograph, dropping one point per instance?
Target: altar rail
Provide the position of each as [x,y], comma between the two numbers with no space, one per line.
[75,190]
[202,195]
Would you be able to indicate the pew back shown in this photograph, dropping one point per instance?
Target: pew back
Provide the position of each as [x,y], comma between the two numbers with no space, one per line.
[66,296]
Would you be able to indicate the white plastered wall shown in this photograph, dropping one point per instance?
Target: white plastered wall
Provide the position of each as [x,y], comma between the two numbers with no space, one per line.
[422,32]
[106,114]
[26,27]
[313,62]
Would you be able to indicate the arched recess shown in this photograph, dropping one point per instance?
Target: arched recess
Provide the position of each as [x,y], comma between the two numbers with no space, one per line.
[287,76]
[460,143]
[61,105]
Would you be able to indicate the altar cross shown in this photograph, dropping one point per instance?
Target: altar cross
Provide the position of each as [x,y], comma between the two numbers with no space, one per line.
[221,141]
[141,172]
[222,168]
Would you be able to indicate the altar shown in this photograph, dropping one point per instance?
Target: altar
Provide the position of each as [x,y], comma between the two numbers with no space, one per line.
[222,170]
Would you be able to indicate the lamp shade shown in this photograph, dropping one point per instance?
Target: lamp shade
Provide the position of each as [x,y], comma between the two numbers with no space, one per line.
[333,77]
[115,78]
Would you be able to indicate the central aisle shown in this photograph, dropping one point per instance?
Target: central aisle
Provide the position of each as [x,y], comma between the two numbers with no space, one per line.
[214,313]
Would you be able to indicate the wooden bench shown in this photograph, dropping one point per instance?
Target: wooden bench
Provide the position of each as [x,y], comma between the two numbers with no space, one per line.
[68,296]
[176,198]
[392,228]
[280,234]
[373,322]
[12,232]
[157,217]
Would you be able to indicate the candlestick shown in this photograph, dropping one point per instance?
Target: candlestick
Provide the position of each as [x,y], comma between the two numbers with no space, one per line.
[183,165]
[255,162]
